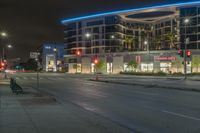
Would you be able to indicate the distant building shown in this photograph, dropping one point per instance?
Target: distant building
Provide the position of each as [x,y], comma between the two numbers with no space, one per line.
[51,56]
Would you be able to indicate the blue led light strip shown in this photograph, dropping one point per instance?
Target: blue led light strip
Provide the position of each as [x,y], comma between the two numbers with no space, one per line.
[129,10]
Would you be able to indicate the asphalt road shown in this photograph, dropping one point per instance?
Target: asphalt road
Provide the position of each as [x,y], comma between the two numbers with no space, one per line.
[144,109]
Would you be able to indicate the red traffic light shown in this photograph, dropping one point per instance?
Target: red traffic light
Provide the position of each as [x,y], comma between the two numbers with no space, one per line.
[78,52]
[2,64]
[188,53]
[96,61]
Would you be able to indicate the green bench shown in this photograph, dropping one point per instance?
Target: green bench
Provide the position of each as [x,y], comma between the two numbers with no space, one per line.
[15,87]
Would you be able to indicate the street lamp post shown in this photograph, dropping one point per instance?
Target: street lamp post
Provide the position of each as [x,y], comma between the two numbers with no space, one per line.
[112,37]
[8,46]
[88,36]
[186,21]
[55,51]
[3,35]
[148,52]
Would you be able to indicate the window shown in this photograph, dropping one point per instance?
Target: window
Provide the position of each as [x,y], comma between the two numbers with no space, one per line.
[191,11]
[114,28]
[71,26]
[96,30]
[112,20]
[92,23]
[71,33]
[168,23]
[79,25]
[192,46]
[79,38]
[69,40]
[147,67]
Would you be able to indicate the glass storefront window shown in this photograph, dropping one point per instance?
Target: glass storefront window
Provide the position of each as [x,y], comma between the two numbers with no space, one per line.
[147,67]
[92,67]
[78,68]
[165,67]
[109,68]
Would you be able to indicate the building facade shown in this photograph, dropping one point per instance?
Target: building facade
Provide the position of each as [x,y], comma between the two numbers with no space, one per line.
[52,56]
[149,36]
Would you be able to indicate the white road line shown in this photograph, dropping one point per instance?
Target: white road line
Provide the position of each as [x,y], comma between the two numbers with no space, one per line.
[181,115]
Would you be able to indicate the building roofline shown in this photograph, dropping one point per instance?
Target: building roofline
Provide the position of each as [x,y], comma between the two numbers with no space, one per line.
[128,10]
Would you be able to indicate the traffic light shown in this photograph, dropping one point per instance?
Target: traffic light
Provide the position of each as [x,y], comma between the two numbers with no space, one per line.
[2,65]
[180,52]
[78,52]
[188,53]
[96,61]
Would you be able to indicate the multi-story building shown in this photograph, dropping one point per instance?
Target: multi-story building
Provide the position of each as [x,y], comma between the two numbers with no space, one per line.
[151,36]
[51,56]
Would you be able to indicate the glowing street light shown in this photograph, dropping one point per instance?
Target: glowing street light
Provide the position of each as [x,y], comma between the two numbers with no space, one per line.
[9,46]
[4,34]
[186,21]
[55,49]
[145,42]
[87,35]
[112,37]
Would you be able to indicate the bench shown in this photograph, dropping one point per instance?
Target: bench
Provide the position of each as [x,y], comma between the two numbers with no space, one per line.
[15,87]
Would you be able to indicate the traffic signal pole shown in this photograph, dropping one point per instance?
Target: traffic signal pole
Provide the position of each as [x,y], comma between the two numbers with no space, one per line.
[185,58]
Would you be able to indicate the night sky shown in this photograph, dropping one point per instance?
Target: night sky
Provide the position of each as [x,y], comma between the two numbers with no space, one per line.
[30,23]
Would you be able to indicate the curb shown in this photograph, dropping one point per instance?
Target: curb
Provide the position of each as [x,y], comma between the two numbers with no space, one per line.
[149,85]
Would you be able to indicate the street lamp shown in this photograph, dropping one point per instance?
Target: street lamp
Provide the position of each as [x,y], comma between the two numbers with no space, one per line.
[9,46]
[186,22]
[112,37]
[147,45]
[88,36]
[3,34]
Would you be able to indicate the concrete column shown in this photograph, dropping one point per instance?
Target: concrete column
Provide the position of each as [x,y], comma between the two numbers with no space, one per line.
[118,64]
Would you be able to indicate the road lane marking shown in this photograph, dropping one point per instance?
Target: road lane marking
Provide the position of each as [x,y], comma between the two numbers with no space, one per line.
[181,115]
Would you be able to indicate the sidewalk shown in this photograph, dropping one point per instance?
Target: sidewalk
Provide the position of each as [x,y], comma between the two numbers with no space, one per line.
[169,83]
[33,113]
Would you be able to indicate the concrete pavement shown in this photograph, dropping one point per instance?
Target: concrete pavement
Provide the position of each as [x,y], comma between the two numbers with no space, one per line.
[34,112]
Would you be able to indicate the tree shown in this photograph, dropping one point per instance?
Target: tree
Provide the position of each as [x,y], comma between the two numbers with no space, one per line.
[31,64]
[130,42]
[132,64]
[100,66]
[171,37]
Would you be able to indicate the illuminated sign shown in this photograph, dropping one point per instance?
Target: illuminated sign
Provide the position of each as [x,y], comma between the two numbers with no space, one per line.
[164,58]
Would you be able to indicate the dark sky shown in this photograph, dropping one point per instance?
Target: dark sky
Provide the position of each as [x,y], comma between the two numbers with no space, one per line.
[30,23]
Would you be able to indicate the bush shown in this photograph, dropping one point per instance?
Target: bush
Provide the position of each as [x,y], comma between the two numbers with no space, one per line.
[177,74]
[145,73]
